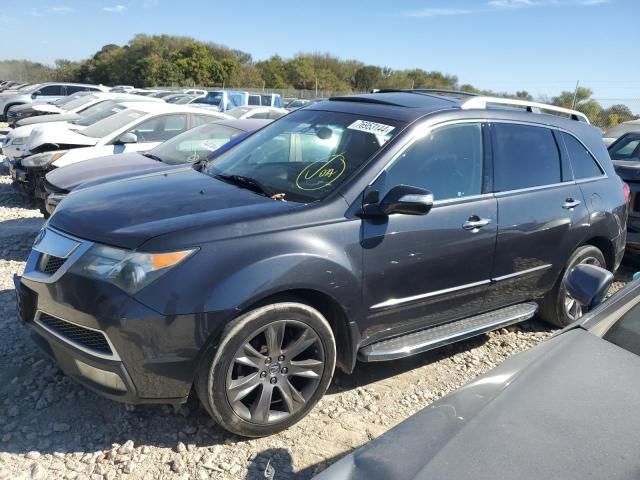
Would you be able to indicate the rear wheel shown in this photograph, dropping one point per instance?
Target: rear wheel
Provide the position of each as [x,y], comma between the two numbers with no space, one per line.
[558,307]
[269,369]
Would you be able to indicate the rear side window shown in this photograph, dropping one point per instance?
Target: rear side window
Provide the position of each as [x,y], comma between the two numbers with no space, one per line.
[524,156]
[584,165]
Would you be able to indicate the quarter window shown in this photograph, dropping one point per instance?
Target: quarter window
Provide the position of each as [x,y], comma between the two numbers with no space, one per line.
[584,166]
[524,156]
[448,162]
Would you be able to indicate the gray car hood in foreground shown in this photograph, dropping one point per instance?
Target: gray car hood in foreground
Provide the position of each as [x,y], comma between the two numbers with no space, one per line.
[566,409]
[71,176]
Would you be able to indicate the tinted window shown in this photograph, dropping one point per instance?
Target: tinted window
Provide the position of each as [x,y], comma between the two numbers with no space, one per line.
[71,89]
[51,90]
[524,156]
[584,166]
[626,332]
[627,148]
[447,162]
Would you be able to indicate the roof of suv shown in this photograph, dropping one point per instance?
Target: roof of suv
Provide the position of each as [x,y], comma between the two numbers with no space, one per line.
[410,105]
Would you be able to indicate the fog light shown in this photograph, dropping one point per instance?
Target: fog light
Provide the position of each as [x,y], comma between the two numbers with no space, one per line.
[101,377]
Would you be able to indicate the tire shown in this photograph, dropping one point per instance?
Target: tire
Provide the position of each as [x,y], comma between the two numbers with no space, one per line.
[240,370]
[553,308]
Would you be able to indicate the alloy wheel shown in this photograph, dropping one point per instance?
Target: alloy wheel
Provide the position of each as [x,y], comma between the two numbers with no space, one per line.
[275,372]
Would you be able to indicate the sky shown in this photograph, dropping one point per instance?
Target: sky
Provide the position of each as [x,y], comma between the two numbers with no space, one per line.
[542,46]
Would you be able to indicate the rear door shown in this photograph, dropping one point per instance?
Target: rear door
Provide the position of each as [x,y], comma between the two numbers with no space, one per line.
[420,271]
[541,212]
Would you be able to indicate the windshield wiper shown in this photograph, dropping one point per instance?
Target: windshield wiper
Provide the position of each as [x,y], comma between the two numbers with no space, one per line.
[153,157]
[245,182]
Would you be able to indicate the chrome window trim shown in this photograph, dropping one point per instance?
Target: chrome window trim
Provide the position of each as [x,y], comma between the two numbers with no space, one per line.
[392,302]
[505,193]
[113,356]
[522,272]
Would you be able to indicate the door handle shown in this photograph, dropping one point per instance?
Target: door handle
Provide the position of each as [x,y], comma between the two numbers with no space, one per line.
[475,222]
[570,203]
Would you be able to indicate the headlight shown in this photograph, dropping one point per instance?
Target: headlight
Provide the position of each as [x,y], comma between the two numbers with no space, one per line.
[41,159]
[131,271]
[18,140]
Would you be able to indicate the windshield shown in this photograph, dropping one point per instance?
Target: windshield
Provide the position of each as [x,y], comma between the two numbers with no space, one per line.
[185,99]
[238,111]
[307,154]
[195,144]
[212,98]
[112,123]
[77,102]
[296,103]
[626,149]
[97,112]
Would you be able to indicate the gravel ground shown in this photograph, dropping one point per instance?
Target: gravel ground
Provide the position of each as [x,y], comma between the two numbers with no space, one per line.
[52,428]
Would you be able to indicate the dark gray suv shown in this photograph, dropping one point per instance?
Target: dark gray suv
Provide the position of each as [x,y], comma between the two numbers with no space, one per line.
[366,227]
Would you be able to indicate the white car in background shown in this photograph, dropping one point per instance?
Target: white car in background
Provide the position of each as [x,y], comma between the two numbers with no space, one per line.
[257,112]
[138,128]
[96,108]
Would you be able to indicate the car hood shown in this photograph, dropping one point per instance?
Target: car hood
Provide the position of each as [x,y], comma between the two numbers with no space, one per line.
[564,409]
[628,171]
[128,212]
[69,177]
[58,136]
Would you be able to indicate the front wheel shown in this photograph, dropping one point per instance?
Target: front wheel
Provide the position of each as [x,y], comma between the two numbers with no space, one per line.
[558,307]
[270,367]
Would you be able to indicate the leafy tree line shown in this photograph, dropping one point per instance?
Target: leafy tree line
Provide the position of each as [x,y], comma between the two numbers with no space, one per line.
[165,60]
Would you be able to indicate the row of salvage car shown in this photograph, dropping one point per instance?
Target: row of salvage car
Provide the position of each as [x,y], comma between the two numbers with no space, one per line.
[564,409]
[97,125]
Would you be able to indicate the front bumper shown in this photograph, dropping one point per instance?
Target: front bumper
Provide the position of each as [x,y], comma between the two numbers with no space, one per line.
[29,180]
[150,358]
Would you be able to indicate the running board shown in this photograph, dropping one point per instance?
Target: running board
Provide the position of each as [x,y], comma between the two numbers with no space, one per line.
[423,340]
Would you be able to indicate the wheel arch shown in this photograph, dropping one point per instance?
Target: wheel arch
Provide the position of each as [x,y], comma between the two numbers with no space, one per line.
[605,245]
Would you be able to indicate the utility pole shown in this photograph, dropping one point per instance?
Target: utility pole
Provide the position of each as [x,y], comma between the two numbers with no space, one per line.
[575,95]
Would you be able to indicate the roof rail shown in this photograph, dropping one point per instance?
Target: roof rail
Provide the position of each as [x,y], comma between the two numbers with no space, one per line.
[534,107]
[435,91]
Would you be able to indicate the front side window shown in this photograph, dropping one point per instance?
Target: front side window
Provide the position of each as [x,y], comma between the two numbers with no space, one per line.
[307,154]
[195,144]
[584,165]
[51,91]
[448,162]
[524,156]
[627,148]
[160,129]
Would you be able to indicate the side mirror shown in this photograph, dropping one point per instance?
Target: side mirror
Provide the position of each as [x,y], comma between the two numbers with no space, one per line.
[127,137]
[36,94]
[588,285]
[406,200]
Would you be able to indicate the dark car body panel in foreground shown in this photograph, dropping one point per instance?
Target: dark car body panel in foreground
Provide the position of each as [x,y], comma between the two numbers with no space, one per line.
[251,248]
[565,409]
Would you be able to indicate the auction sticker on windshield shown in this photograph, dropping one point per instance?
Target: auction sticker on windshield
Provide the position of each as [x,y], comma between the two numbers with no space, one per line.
[371,127]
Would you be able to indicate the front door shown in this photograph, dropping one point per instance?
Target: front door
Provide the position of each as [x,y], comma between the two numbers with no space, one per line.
[424,270]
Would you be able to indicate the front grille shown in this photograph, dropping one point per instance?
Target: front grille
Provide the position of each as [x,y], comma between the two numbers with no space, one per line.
[90,339]
[51,264]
